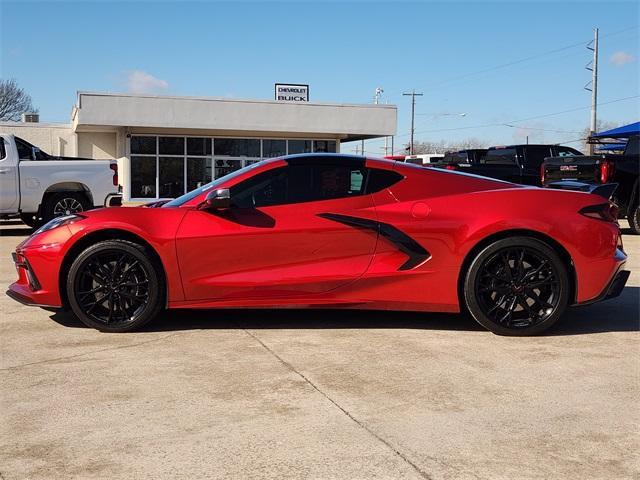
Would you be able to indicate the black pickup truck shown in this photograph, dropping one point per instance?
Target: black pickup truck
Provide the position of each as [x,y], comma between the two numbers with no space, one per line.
[622,170]
[515,163]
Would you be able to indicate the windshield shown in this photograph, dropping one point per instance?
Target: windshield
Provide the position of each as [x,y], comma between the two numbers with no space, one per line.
[177,202]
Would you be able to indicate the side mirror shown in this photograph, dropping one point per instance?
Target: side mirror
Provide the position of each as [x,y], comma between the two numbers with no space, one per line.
[217,200]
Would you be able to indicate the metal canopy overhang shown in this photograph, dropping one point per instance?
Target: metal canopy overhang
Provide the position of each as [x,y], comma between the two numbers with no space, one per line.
[621,132]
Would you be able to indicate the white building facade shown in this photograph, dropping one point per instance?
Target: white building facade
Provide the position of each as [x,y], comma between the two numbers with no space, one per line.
[166,145]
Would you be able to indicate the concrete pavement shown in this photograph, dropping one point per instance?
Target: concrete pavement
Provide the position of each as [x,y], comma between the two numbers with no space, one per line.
[319,394]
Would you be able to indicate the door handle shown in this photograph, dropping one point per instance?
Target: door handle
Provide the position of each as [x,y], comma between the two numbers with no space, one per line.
[3,171]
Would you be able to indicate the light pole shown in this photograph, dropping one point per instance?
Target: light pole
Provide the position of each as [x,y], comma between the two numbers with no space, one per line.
[413,95]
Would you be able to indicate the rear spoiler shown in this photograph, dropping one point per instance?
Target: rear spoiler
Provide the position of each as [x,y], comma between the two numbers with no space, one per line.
[605,191]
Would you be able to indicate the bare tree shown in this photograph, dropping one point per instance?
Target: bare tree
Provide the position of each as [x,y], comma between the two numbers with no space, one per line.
[601,126]
[443,146]
[14,101]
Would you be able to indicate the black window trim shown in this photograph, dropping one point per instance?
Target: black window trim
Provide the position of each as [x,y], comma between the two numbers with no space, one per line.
[356,163]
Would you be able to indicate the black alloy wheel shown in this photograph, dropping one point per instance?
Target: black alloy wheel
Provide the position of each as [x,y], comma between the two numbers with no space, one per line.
[115,286]
[61,204]
[517,286]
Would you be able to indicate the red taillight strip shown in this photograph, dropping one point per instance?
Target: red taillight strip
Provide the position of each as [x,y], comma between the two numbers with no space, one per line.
[114,167]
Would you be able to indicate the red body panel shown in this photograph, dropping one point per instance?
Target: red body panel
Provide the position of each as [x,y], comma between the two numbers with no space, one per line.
[288,255]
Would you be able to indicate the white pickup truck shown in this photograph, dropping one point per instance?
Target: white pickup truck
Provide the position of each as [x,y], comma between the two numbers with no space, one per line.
[37,186]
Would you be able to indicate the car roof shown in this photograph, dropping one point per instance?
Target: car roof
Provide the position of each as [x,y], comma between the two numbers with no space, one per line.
[306,158]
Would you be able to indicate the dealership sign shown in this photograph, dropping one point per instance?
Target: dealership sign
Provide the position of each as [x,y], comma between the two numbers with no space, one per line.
[292,92]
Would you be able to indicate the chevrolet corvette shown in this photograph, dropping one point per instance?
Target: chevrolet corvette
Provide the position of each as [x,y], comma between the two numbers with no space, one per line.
[332,231]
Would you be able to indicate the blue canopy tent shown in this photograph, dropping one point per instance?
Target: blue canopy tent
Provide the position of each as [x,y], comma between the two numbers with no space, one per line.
[624,131]
[611,146]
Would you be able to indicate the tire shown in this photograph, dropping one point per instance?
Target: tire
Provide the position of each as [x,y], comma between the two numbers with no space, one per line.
[516,286]
[115,286]
[28,219]
[633,216]
[63,203]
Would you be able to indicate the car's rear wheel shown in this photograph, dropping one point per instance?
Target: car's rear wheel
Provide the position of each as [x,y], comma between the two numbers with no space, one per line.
[517,286]
[115,286]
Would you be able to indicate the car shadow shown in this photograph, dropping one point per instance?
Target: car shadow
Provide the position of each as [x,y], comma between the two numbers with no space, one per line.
[616,315]
[17,229]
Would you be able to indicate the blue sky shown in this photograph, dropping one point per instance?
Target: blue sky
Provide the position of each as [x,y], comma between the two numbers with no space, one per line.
[454,52]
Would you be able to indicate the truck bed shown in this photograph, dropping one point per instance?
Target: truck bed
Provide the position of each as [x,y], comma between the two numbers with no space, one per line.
[584,168]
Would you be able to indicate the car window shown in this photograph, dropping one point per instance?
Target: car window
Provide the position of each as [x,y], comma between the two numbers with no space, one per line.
[25,151]
[299,184]
[380,179]
[566,152]
[500,156]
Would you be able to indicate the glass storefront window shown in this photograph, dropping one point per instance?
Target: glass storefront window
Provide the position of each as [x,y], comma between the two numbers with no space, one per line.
[236,147]
[168,167]
[225,166]
[328,146]
[198,172]
[199,146]
[274,148]
[171,145]
[143,145]
[143,177]
[171,178]
[299,146]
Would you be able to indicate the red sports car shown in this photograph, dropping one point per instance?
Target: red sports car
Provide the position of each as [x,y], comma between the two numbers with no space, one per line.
[333,231]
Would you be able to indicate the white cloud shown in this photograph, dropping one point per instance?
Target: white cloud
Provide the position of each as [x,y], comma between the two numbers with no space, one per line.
[139,81]
[621,58]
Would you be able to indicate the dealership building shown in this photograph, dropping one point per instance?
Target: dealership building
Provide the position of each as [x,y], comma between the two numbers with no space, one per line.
[167,145]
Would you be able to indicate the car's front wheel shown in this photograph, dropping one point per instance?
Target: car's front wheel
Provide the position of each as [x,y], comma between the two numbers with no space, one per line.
[115,286]
[517,286]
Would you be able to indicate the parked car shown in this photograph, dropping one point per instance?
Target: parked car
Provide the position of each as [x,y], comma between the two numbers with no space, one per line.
[623,170]
[424,159]
[468,156]
[37,186]
[338,231]
[514,163]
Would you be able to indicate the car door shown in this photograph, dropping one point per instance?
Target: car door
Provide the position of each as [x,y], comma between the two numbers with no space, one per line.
[8,179]
[534,155]
[500,163]
[274,240]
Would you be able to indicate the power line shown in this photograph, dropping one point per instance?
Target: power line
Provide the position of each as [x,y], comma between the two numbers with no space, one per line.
[526,59]
[524,127]
[522,119]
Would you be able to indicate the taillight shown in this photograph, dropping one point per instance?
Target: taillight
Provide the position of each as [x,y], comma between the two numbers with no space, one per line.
[602,211]
[606,171]
[542,174]
[114,167]
[449,167]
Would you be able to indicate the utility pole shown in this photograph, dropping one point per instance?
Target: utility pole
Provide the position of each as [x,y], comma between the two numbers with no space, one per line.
[413,96]
[593,67]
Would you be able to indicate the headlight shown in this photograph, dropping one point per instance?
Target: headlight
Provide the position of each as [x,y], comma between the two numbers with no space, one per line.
[58,222]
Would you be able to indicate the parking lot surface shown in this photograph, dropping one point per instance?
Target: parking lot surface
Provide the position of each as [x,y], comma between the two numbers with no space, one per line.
[319,394]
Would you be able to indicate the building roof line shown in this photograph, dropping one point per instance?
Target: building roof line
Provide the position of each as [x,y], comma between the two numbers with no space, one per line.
[227,99]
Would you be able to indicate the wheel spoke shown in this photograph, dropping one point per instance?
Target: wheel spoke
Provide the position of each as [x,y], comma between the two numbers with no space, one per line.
[507,266]
[536,298]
